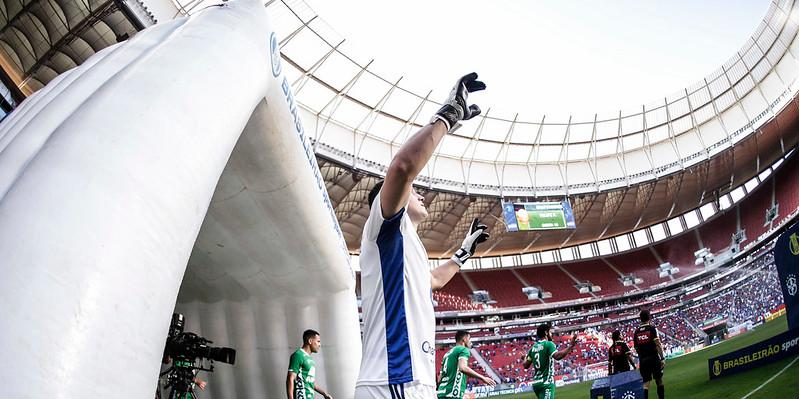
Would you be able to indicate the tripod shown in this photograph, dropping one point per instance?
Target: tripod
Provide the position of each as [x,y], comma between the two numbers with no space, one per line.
[181,379]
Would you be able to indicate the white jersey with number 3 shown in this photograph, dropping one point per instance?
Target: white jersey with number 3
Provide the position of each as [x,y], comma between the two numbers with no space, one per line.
[398,316]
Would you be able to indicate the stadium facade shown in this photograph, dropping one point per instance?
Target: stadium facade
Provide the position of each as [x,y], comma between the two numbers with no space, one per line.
[704,168]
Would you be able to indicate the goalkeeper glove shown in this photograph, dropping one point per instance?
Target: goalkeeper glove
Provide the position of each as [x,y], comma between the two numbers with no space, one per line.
[477,234]
[456,108]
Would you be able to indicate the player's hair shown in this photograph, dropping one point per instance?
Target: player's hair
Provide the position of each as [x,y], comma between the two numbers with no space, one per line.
[542,330]
[461,335]
[308,335]
[375,190]
[645,316]
[616,335]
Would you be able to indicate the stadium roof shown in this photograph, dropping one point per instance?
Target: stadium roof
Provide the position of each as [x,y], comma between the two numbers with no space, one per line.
[40,39]
[360,118]
[622,171]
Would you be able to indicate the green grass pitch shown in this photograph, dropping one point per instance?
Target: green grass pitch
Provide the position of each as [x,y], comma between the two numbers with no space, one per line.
[687,377]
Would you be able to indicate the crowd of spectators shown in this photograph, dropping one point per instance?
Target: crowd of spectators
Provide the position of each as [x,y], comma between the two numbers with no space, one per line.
[445,301]
[745,295]
[747,300]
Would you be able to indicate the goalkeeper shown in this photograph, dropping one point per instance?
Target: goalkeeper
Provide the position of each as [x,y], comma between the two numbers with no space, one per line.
[398,319]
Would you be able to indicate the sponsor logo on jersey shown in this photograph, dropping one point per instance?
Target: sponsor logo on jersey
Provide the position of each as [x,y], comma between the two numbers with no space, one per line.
[791,284]
[276,67]
[456,388]
[793,244]
[427,348]
[299,388]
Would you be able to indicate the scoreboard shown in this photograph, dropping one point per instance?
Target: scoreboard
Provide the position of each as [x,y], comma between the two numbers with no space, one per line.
[525,216]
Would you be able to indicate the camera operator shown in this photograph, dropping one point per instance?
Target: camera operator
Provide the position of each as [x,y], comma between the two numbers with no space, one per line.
[301,378]
[187,354]
[162,380]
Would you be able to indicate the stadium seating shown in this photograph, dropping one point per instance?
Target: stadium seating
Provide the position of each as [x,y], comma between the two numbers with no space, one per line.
[455,296]
[457,286]
[446,301]
[641,263]
[679,251]
[787,188]
[502,286]
[714,234]
[717,233]
[550,278]
[598,273]
[753,214]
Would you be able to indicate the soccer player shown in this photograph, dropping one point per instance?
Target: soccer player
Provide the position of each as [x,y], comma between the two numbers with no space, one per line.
[398,359]
[620,358]
[650,354]
[542,356]
[455,369]
[301,378]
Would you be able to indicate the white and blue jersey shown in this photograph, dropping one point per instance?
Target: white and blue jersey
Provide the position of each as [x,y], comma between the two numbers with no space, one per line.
[398,316]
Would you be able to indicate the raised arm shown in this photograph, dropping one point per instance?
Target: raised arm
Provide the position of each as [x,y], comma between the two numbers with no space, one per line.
[414,154]
[441,275]
[563,353]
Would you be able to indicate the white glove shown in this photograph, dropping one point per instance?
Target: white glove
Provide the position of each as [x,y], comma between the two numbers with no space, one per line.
[477,234]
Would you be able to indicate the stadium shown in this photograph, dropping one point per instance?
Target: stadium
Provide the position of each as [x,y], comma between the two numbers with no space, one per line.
[216,160]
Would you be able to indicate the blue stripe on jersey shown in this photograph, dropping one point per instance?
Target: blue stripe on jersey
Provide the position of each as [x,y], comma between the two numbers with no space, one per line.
[392,265]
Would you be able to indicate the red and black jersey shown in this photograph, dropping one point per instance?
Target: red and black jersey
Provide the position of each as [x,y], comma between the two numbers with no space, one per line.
[644,339]
[617,354]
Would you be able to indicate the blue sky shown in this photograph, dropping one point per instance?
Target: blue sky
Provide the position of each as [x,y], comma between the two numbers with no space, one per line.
[558,58]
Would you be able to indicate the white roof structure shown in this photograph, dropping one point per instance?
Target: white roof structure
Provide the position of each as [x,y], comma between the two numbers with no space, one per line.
[624,171]
[360,118]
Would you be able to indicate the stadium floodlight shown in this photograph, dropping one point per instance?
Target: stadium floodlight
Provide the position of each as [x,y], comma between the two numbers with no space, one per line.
[627,280]
[702,252]
[531,292]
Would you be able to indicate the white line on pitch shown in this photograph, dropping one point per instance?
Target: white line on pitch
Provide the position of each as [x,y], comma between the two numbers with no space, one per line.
[772,378]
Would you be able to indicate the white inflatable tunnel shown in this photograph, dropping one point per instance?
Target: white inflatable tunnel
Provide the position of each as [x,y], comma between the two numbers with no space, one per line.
[181,146]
